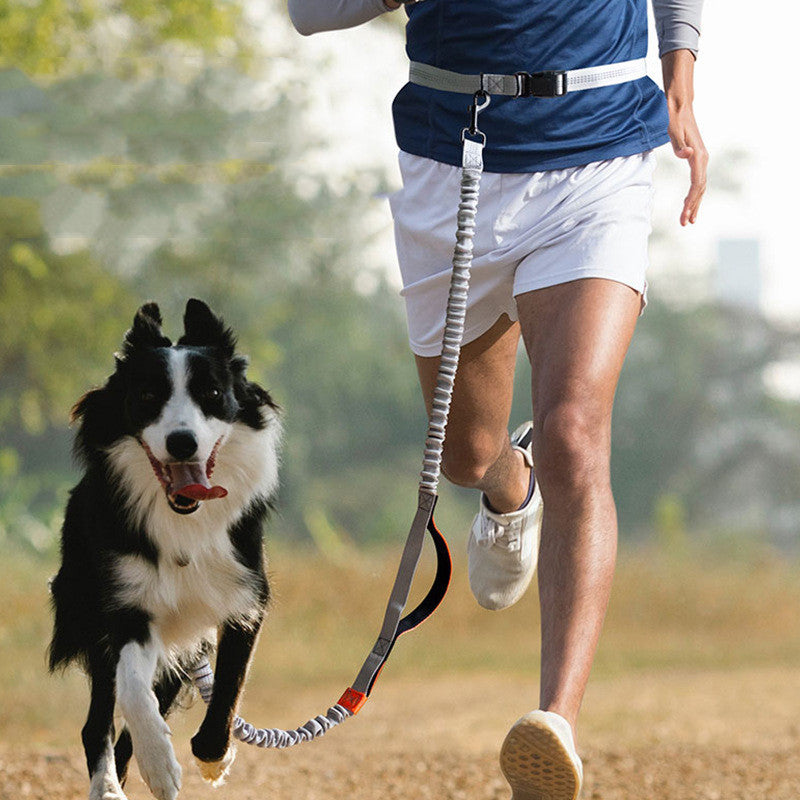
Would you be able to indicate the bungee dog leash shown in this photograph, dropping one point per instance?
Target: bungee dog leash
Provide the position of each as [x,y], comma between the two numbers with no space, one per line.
[554,83]
[394,623]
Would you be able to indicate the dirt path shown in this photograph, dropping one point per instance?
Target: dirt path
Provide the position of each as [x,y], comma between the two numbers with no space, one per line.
[676,736]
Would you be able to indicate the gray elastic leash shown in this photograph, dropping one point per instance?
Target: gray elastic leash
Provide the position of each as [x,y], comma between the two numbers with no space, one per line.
[394,624]
[203,678]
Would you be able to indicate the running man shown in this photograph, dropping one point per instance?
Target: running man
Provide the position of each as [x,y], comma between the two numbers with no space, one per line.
[560,258]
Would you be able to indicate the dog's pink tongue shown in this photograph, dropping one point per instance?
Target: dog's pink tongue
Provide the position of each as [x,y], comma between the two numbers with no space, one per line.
[197,491]
[190,480]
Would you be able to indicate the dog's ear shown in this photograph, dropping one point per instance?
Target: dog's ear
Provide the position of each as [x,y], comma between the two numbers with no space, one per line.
[203,328]
[83,405]
[146,330]
[97,417]
[250,396]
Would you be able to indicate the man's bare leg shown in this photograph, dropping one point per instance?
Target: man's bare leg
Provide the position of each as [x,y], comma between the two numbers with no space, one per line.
[477,452]
[576,335]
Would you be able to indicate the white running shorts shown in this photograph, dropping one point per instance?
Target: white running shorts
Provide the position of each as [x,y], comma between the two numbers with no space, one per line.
[532,230]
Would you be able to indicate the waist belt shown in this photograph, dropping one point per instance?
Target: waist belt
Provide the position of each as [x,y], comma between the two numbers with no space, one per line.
[552,83]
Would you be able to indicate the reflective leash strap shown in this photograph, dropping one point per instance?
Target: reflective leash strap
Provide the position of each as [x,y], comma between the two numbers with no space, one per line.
[551,83]
[394,625]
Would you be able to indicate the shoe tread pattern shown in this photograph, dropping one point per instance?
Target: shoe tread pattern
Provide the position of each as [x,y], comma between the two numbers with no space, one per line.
[536,765]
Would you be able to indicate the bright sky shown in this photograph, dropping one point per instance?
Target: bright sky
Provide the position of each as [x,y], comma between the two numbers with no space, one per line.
[745,98]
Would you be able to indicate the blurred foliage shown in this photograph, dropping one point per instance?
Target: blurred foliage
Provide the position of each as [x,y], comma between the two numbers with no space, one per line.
[58,316]
[695,422]
[120,185]
[58,324]
[61,37]
[159,150]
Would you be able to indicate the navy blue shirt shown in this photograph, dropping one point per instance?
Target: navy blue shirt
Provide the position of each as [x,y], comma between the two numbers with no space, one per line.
[507,36]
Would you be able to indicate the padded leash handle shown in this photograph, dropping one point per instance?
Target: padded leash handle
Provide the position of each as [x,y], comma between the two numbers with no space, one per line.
[394,625]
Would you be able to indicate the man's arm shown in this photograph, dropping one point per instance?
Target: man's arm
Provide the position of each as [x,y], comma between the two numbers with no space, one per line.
[313,16]
[678,29]
[678,69]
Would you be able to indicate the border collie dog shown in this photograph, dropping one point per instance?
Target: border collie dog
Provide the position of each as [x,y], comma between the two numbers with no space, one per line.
[162,555]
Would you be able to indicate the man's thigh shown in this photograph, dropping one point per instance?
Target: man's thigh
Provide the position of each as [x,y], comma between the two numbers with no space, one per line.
[577,335]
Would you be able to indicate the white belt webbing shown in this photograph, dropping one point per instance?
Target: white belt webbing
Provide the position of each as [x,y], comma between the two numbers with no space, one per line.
[573,80]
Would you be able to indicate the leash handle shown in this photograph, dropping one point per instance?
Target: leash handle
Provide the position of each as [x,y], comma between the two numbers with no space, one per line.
[393,625]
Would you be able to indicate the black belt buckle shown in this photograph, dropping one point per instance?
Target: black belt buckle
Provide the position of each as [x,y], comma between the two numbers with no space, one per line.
[552,83]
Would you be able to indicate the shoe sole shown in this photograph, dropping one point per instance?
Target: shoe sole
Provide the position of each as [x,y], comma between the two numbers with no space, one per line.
[536,764]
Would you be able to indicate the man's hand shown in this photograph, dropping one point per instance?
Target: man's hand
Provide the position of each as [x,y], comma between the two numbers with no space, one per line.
[678,69]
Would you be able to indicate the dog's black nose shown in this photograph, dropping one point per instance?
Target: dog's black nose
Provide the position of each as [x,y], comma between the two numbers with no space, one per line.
[181,444]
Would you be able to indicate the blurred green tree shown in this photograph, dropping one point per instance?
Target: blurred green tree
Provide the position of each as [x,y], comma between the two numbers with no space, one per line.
[56,314]
[141,172]
[696,422]
[56,38]
[159,150]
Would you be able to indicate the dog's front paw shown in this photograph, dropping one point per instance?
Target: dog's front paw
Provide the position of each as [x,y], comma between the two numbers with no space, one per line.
[105,784]
[213,751]
[110,793]
[215,772]
[159,767]
[106,788]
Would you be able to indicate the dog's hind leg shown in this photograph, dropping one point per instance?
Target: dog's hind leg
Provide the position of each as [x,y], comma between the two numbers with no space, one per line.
[149,732]
[98,733]
[166,690]
[211,744]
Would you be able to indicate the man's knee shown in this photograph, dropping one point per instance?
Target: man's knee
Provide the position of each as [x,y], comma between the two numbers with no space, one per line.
[571,448]
[466,459]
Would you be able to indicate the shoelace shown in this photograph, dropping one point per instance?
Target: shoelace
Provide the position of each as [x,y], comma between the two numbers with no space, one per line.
[493,533]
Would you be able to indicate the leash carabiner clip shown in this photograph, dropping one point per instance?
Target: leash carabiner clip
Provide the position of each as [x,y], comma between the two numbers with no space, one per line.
[474,110]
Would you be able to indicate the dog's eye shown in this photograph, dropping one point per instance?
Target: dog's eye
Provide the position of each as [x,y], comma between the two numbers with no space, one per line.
[147,396]
[213,393]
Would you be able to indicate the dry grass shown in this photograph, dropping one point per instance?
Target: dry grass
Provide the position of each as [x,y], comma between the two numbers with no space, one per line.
[694,695]
[689,614]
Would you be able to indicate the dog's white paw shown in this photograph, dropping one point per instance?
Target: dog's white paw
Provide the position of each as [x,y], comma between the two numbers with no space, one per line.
[158,767]
[110,794]
[106,790]
[215,772]
[105,784]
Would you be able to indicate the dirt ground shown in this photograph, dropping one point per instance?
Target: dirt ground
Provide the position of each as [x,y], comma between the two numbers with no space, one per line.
[682,735]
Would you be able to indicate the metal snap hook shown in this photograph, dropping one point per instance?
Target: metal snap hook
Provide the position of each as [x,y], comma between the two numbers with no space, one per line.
[477,107]
[480,100]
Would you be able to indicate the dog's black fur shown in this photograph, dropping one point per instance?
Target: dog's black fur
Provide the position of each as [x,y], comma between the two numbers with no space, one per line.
[146,573]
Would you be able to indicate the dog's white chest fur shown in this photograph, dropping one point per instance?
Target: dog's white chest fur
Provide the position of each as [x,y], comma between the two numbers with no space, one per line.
[198,583]
[189,594]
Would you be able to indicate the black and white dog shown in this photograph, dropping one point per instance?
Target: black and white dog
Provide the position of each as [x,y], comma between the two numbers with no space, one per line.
[159,564]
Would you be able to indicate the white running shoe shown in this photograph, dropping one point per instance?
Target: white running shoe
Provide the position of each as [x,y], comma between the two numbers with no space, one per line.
[539,759]
[503,548]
